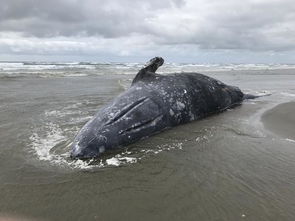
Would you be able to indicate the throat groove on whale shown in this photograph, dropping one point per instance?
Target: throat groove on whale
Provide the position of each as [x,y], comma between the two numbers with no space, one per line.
[153,103]
[142,125]
[126,110]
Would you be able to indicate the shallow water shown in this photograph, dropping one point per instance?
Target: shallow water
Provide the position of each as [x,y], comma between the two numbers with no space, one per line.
[225,167]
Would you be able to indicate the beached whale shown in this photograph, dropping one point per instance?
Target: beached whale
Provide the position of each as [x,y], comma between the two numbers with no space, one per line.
[152,104]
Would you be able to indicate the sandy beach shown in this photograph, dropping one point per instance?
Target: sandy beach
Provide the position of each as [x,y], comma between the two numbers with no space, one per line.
[224,167]
[281,120]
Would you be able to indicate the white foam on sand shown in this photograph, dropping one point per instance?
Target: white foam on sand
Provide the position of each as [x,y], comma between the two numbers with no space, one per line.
[117,160]
[163,147]
[257,93]
[43,144]
[290,140]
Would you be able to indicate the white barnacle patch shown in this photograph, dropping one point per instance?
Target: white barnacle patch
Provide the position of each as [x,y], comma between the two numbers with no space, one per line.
[163,92]
[105,130]
[138,88]
[180,105]
[171,112]
[184,91]
[126,118]
[219,82]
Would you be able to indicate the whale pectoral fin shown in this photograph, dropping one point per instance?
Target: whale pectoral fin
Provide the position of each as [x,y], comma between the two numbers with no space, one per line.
[149,69]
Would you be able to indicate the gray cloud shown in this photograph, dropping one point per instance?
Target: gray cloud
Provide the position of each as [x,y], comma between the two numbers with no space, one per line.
[127,27]
[73,17]
[253,25]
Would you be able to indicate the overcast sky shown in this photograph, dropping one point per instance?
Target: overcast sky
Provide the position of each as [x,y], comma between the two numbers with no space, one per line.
[198,31]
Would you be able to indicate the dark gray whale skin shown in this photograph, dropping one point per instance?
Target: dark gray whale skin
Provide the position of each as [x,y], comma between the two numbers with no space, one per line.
[152,104]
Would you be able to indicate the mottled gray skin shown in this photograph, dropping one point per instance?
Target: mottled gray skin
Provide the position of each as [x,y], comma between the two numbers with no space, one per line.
[152,104]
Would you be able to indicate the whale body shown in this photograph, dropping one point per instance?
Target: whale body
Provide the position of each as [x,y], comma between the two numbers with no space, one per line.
[152,104]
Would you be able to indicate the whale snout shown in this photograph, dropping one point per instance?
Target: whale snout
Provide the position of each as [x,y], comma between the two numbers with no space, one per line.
[87,145]
[83,154]
[91,150]
[79,152]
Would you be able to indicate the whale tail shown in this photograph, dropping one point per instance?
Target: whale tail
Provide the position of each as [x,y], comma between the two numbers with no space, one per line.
[251,96]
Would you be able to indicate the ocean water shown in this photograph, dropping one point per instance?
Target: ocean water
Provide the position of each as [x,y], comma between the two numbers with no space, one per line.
[230,166]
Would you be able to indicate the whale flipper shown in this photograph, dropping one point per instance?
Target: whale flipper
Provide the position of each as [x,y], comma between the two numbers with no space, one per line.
[149,69]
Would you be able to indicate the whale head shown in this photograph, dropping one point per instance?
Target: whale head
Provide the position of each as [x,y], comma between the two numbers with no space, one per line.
[88,146]
[120,123]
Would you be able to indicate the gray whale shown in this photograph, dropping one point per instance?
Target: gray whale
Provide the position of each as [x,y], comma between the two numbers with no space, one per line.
[152,104]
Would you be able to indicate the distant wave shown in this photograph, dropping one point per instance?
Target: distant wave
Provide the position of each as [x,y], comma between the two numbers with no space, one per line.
[81,69]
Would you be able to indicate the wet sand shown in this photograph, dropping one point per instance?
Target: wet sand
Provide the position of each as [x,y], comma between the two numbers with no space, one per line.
[225,167]
[281,120]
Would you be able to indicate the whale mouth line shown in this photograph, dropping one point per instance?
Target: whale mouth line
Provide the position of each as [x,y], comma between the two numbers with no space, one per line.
[126,110]
[141,125]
